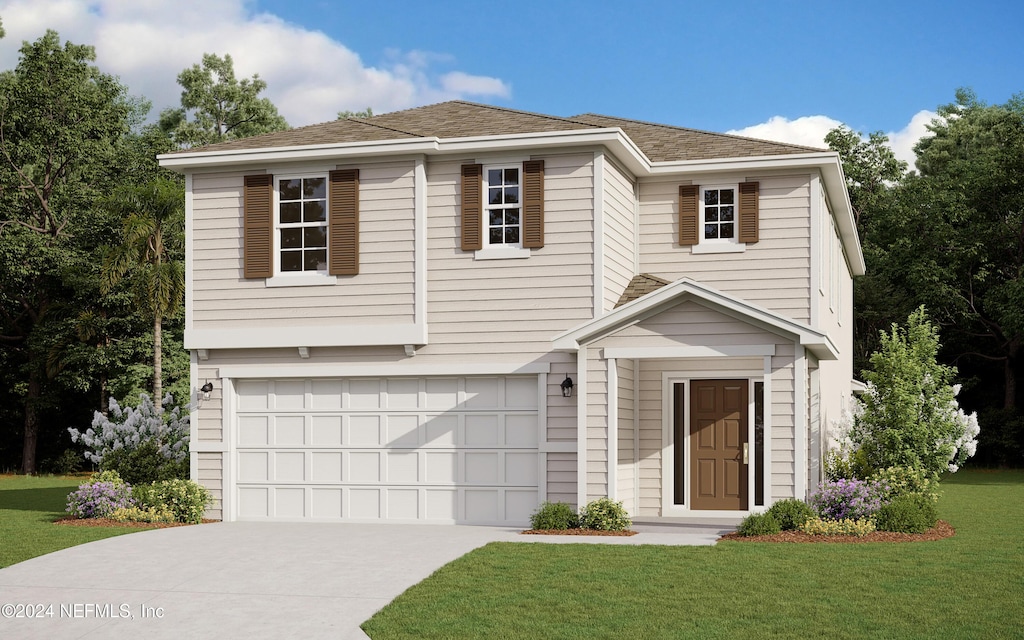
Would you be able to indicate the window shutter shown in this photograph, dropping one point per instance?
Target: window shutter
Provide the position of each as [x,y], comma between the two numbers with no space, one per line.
[533,204]
[472,207]
[343,223]
[258,225]
[748,212]
[688,208]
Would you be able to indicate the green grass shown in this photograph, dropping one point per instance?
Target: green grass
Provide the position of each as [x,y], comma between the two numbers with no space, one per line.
[28,507]
[967,586]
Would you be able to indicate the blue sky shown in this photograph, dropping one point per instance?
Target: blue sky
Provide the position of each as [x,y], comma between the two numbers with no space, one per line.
[784,70]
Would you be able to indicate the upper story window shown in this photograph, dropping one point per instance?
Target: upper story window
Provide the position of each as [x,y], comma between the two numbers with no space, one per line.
[300,229]
[302,224]
[502,209]
[719,218]
[718,211]
[502,212]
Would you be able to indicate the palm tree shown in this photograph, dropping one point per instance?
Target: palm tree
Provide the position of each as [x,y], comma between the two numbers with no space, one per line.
[150,256]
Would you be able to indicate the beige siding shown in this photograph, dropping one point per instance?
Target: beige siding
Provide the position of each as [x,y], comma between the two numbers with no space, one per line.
[211,473]
[687,324]
[510,307]
[597,425]
[382,293]
[619,242]
[627,457]
[561,477]
[774,273]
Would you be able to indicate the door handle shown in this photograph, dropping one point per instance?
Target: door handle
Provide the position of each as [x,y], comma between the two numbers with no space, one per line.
[746,452]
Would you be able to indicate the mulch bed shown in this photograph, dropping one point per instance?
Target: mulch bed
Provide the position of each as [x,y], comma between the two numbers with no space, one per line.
[107,522]
[942,529]
[576,532]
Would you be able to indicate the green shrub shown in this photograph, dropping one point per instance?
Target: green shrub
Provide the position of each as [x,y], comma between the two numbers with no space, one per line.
[186,499]
[149,514]
[909,513]
[791,513]
[555,515]
[844,527]
[759,524]
[144,464]
[903,480]
[852,465]
[106,476]
[604,514]
[68,462]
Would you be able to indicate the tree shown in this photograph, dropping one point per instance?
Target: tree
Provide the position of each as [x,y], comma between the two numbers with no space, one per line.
[61,121]
[151,253]
[345,115]
[956,238]
[873,174]
[909,416]
[222,107]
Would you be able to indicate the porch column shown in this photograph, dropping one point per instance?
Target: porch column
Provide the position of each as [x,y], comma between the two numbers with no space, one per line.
[613,428]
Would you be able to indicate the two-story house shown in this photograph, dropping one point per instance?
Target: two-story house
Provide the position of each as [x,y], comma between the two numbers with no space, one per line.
[455,312]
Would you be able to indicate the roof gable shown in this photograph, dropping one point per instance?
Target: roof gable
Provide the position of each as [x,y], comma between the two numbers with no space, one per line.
[672,294]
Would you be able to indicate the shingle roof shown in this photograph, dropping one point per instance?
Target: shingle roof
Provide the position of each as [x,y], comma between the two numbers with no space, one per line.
[459,119]
[665,143]
[640,286]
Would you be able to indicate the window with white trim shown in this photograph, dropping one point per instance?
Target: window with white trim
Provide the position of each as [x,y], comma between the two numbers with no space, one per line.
[502,208]
[301,224]
[718,214]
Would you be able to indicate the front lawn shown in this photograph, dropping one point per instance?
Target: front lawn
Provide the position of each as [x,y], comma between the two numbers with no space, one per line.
[967,586]
[28,507]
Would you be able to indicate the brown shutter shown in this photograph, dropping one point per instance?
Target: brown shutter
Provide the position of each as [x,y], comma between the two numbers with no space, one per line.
[472,207]
[258,225]
[533,204]
[343,223]
[748,212]
[688,208]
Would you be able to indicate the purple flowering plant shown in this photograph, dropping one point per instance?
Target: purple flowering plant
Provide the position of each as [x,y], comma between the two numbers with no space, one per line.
[849,498]
[99,499]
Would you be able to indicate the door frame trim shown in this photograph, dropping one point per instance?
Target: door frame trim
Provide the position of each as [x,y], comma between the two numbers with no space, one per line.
[668,379]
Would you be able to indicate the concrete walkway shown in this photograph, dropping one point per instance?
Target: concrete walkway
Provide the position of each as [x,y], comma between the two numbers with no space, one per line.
[248,580]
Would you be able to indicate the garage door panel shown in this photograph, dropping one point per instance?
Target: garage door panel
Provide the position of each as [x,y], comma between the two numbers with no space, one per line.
[326,466]
[254,431]
[290,431]
[444,449]
[441,431]
[403,431]
[403,468]
[364,430]
[481,430]
[326,431]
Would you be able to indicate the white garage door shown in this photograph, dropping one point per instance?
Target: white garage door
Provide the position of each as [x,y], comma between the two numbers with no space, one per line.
[414,449]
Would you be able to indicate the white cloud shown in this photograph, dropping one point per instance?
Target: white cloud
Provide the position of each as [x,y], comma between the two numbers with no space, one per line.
[309,76]
[903,141]
[810,131]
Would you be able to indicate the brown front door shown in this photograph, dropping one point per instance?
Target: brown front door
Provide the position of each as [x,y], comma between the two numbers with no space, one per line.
[718,431]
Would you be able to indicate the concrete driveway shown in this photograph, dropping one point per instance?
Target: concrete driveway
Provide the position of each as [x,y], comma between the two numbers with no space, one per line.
[245,579]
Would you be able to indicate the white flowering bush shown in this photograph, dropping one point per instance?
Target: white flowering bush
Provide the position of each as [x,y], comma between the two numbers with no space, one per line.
[142,443]
[909,416]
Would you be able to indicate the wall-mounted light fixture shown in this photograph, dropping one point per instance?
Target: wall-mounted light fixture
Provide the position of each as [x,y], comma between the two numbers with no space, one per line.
[206,389]
[567,386]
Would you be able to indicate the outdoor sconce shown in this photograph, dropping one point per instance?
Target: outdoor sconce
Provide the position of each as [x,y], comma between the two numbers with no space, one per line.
[567,386]
[206,389]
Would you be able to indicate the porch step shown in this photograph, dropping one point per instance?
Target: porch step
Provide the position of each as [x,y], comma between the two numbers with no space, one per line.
[717,526]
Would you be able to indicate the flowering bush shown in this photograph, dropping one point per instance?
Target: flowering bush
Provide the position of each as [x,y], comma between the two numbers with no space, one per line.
[846,498]
[902,481]
[98,499]
[137,441]
[604,514]
[186,500]
[844,527]
[909,416]
[137,514]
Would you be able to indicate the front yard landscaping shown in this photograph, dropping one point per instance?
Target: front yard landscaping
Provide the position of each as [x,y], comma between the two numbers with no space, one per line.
[29,505]
[967,586]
